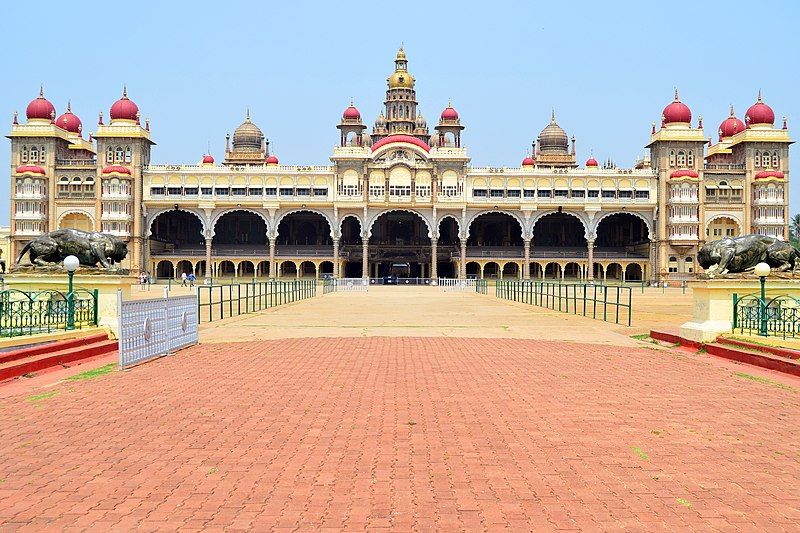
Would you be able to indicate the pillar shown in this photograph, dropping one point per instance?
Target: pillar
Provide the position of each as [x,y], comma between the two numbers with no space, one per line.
[434,257]
[299,269]
[273,267]
[591,258]
[364,258]
[463,273]
[526,266]
[335,258]
[208,261]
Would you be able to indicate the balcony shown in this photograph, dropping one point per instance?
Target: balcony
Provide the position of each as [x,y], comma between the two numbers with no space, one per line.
[683,220]
[116,195]
[27,195]
[29,215]
[76,163]
[768,201]
[726,166]
[769,221]
[684,200]
[123,217]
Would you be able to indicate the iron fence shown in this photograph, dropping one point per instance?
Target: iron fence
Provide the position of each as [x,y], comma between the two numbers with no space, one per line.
[602,302]
[29,313]
[389,280]
[481,286]
[215,302]
[155,327]
[454,284]
[344,284]
[772,316]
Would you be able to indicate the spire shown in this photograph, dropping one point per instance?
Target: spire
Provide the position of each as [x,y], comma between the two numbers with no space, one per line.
[759,95]
[731,110]
[351,102]
[69,106]
[553,116]
[100,118]
[677,98]
[124,90]
[41,91]
[247,115]
[16,120]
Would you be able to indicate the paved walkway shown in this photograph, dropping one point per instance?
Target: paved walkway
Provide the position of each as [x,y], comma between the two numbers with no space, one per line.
[416,432]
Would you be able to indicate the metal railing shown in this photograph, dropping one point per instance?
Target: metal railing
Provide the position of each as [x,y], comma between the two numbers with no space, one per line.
[344,285]
[481,286]
[772,316]
[602,302]
[215,302]
[454,284]
[29,313]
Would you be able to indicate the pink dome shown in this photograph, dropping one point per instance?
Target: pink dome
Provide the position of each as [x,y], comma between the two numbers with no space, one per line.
[208,159]
[592,162]
[676,111]
[401,138]
[272,160]
[29,169]
[684,173]
[764,174]
[759,113]
[449,113]
[528,162]
[351,113]
[116,169]
[730,126]
[124,108]
[69,121]
[40,108]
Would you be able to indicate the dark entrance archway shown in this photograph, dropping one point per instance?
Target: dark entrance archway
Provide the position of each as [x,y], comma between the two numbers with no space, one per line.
[398,238]
[176,232]
[623,232]
[304,229]
[558,231]
[447,247]
[351,243]
[240,230]
[495,230]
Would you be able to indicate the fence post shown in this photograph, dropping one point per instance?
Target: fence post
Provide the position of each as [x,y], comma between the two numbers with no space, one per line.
[96,298]
[735,308]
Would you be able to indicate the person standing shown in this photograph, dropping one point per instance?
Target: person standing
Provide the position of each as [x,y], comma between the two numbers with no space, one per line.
[192,279]
[184,277]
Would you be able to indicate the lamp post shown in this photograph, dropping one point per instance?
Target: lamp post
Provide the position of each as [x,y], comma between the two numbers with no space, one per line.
[71,264]
[762,271]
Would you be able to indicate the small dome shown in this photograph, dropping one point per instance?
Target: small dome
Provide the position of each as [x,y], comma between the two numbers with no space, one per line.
[380,121]
[29,169]
[591,162]
[124,108]
[553,138]
[764,174]
[208,159]
[730,126]
[676,111]
[40,108]
[116,169]
[449,113]
[759,113]
[272,160]
[351,113]
[401,138]
[69,121]
[528,162]
[684,173]
[247,137]
[401,79]
[420,122]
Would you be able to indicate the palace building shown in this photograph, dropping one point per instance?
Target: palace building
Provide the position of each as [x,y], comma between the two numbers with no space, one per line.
[402,196]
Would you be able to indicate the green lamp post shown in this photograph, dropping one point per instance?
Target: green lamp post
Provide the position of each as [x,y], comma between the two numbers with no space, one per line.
[762,270]
[71,264]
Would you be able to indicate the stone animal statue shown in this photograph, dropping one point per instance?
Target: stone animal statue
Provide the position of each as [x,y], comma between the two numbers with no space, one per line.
[89,247]
[742,254]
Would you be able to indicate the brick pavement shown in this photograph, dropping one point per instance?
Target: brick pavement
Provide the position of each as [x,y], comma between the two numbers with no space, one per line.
[406,433]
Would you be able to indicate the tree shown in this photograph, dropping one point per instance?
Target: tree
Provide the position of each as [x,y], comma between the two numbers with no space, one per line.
[794,229]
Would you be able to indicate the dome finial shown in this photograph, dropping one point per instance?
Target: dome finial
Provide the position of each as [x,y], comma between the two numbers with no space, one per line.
[69,106]
[16,120]
[553,115]
[41,91]
[124,90]
[677,98]
[247,114]
[759,95]
[731,109]
[351,101]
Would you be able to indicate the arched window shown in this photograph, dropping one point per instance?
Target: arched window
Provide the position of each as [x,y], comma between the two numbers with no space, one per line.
[75,188]
[42,152]
[690,160]
[24,154]
[757,159]
[127,154]
[88,186]
[775,160]
[110,155]
[119,155]
[689,259]
[681,158]
[34,154]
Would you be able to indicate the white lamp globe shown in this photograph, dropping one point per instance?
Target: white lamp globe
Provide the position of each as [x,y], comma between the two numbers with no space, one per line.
[71,263]
[762,270]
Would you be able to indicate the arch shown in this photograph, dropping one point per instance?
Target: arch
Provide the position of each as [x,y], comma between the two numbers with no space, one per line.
[324,215]
[487,232]
[734,218]
[494,211]
[200,269]
[491,270]
[572,270]
[221,214]
[308,269]
[511,270]
[226,269]
[288,268]
[153,216]
[449,215]
[165,269]
[535,270]
[559,229]
[473,269]
[184,265]
[633,272]
[371,222]
[240,231]
[340,226]
[326,267]
[304,227]
[246,269]
[614,271]
[76,219]
[597,270]
[262,269]
[552,271]
[451,234]
[573,214]
[648,224]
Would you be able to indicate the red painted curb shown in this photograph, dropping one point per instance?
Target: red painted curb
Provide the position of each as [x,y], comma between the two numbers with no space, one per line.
[774,350]
[57,358]
[762,360]
[50,347]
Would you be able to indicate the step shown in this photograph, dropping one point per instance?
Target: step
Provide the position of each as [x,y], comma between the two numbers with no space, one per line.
[62,357]
[774,350]
[753,357]
[47,347]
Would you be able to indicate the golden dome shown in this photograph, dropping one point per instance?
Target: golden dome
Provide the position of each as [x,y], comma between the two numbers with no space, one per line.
[401,78]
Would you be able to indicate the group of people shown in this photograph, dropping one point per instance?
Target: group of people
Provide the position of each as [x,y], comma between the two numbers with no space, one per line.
[187,280]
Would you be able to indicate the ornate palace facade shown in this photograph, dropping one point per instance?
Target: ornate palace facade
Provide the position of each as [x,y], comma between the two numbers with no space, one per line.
[402,197]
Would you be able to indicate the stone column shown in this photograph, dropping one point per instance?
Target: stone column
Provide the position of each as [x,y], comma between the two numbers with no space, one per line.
[365,258]
[434,272]
[590,273]
[463,273]
[273,267]
[335,258]
[526,266]
[209,273]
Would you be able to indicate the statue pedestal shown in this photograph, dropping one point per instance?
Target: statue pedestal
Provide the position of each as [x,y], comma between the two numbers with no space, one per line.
[713,304]
[107,286]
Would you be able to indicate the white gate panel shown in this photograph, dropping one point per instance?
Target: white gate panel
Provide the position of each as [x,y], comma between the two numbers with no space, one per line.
[450,285]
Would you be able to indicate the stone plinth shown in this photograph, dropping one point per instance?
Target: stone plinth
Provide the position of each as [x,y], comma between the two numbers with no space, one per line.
[713,303]
[107,286]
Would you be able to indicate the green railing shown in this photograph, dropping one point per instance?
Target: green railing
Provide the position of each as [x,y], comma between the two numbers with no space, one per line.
[215,302]
[602,302]
[481,286]
[29,313]
[771,316]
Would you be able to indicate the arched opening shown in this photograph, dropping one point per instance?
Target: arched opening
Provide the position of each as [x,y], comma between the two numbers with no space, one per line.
[350,243]
[306,230]
[308,269]
[262,269]
[597,271]
[77,221]
[491,270]
[633,272]
[473,270]
[495,230]
[226,269]
[614,271]
[447,248]
[288,269]
[247,269]
[200,269]
[552,271]
[622,233]
[400,238]
[536,271]
[184,266]
[239,231]
[176,232]
[165,269]
[572,271]
[510,271]
[326,267]
[722,227]
[557,231]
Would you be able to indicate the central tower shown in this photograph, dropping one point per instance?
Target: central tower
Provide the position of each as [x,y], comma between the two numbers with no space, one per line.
[401,99]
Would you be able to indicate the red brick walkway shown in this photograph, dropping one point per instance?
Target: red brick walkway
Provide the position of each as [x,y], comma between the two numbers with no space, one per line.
[406,433]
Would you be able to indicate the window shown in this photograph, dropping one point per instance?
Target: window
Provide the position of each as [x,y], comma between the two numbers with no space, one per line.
[690,159]
[206,191]
[775,160]
[63,186]
[75,189]
[480,193]
[544,193]
[287,191]
[496,193]
[710,192]
[127,154]
[270,191]
[514,193]
[681,158]
[529,193]
[594,193]
[119,155]
[42,152]
[642,195]
[578,194]
[672,158]
[303,191]
[609,194]
[320,192]
[238,191]
[561,193]
[34,154]
[626,194]
[24,154]
[190,191]
[174,191]
[109,155]
[88,186]
[757,159]
[157,191]
[221,191]
[255,191]
[400,190]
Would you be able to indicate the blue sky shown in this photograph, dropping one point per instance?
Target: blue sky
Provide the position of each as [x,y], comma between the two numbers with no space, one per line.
[607,68]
